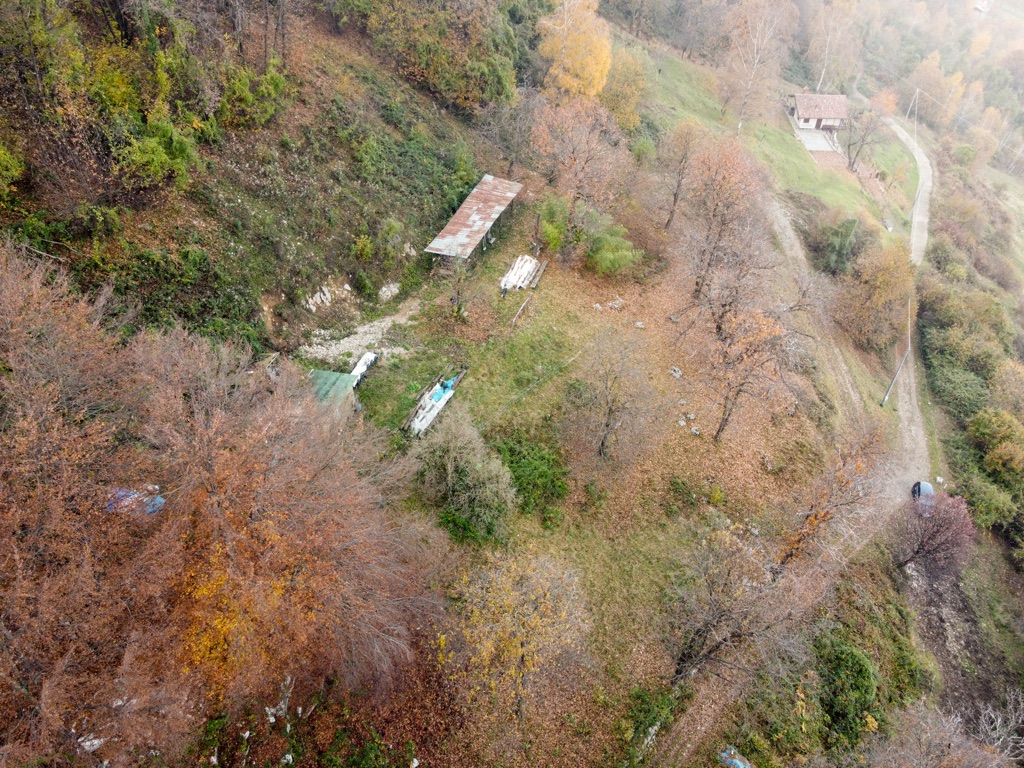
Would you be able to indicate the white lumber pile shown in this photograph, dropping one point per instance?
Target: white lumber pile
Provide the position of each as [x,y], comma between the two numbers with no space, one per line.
[520,274]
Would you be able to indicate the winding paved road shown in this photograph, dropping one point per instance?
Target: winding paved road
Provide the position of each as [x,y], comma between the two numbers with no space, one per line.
[922,202]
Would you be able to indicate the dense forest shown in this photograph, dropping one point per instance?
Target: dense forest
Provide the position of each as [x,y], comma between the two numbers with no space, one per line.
[664,512]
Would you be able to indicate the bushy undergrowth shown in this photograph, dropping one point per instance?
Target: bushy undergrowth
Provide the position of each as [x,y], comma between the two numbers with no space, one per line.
[607,250]
[472,485]
[539,472]
[968,338]
[123,106]
[839,682]
[464,56]
[357,192]
[834,241]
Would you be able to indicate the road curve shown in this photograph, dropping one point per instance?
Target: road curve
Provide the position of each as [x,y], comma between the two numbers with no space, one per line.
[922,202]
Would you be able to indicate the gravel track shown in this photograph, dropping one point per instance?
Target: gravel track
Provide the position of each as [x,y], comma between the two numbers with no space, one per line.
[720,685]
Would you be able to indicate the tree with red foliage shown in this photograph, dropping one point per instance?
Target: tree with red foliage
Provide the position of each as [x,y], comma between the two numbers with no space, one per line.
[937,529]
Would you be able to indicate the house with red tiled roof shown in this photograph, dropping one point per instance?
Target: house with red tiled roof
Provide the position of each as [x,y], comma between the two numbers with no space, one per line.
[819,111]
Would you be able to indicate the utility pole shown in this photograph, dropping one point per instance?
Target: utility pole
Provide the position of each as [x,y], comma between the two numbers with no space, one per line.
[913,103]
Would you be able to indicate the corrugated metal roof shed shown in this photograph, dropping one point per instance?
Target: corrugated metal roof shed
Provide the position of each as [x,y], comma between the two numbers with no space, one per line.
[825,106]
[475,217]
[332,387]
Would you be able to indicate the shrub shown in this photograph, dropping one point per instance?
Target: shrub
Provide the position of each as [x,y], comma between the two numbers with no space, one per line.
[554,223]
[458,471]
[538,472]
[990,504]
[849,685]
[962,392]
[834,242]
[608,250]
[250,101]
[162,152]
[11,169]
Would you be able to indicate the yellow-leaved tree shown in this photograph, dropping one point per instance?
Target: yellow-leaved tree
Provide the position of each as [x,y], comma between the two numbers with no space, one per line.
[873,306]
[579,44]
[626,86]
[518,615]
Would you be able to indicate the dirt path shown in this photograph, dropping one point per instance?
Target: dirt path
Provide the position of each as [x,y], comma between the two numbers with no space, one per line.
[889,486]
[367,337]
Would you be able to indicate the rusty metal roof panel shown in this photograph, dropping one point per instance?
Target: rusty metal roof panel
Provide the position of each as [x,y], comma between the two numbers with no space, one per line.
[475,217]
[825,106]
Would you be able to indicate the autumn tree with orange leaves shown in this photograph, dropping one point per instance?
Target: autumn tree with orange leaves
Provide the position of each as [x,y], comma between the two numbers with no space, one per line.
[290,567]
[723,205]
[577,145]
[271,558]
[748,359]
[874,300]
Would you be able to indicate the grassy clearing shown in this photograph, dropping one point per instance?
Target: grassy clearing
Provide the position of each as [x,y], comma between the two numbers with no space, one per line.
[892,157]
[681,90]
[796,171]
[993,589]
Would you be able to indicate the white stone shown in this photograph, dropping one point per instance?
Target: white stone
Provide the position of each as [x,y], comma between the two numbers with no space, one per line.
[388,292]
[638,325]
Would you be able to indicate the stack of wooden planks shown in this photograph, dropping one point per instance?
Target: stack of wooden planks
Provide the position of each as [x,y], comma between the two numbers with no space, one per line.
[525,272]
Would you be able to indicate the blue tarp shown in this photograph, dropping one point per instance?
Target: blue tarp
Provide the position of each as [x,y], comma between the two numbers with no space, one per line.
[125,498]
[446,386]
[730,758]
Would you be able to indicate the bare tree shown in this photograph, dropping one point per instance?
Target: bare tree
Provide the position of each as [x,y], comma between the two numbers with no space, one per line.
[510,125]
[577,144]
[832,42]
[834,495]
[1002,728]
[609,407]
[748,359]
[863,130]
[937,529]
[925,738]
[698,27]
[761,30]
[675,154]
[719,600]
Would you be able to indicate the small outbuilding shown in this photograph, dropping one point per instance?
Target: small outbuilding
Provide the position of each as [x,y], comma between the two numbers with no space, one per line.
[335,388]
[819,111]
[469,231]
